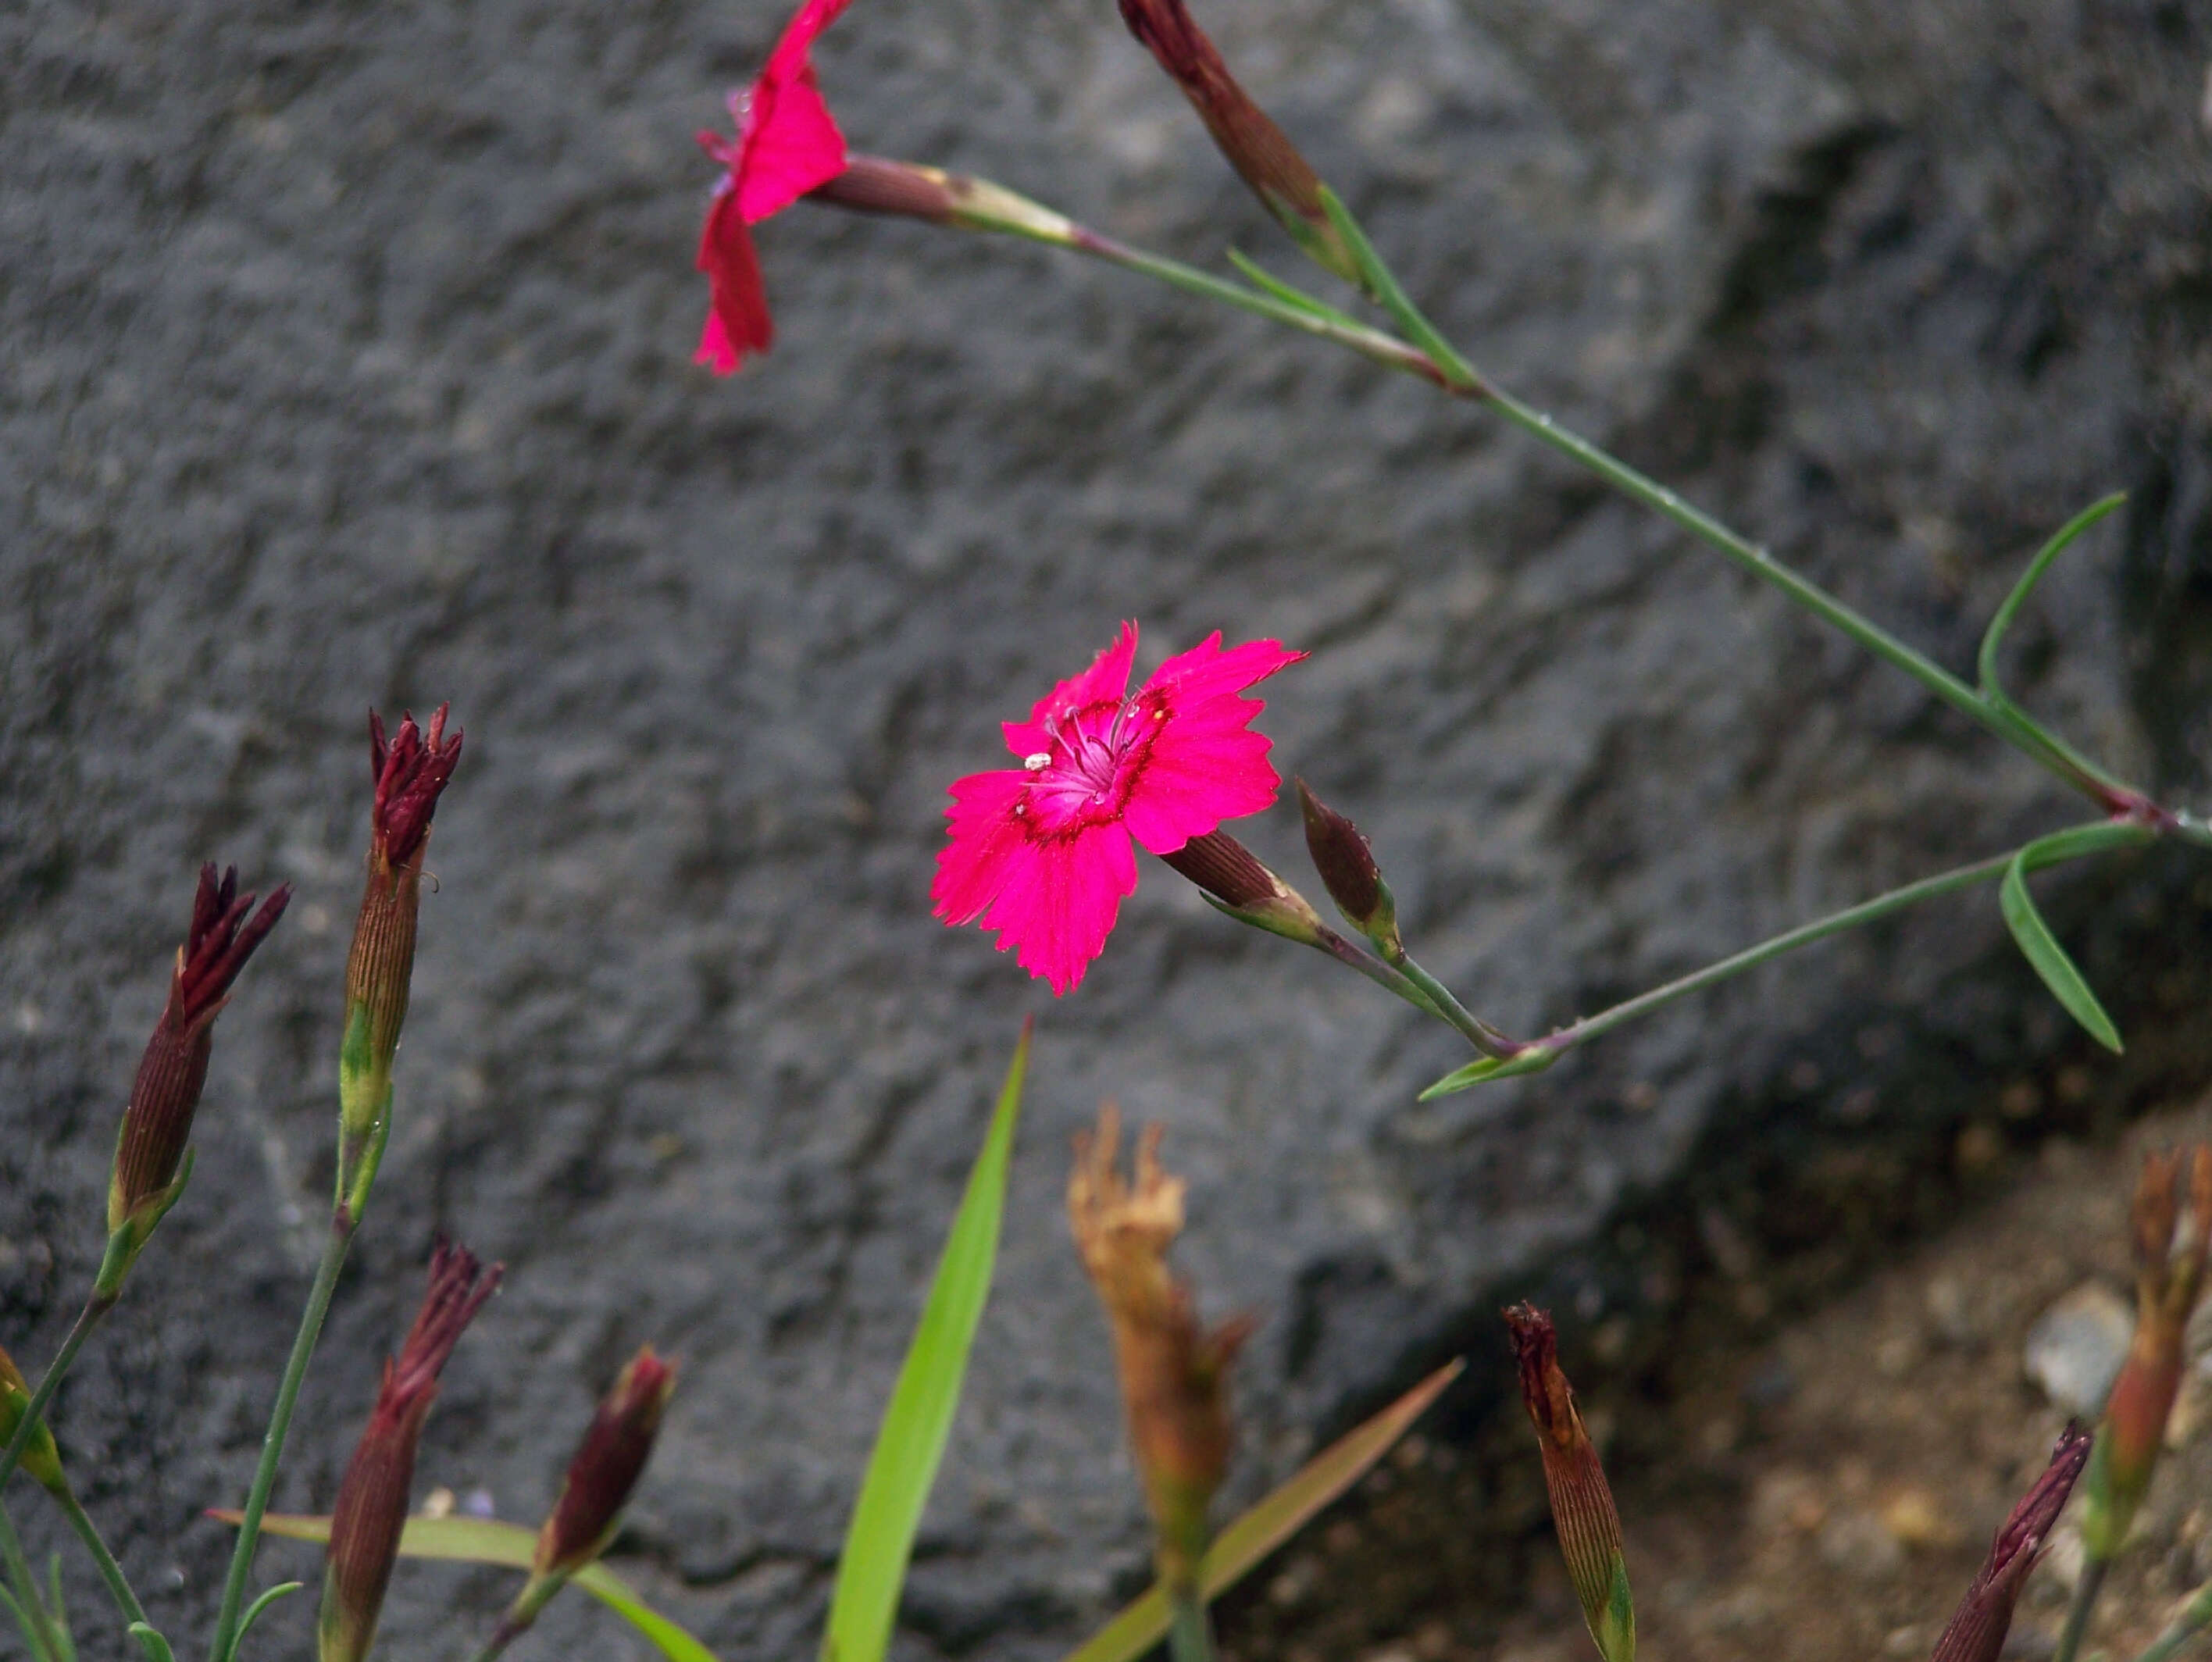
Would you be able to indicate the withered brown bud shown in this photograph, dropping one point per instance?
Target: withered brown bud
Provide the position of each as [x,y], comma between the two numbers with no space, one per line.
[1252,144]
[1227,871]
[371,1502]
[2170,1252]
[606,1466]
[158,1122]
[1347,863]
[1581,1501]
[1977,1628]
[1174,1374]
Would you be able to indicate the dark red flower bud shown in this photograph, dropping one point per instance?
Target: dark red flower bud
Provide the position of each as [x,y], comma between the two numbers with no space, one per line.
[1246,889]
[371,1503]
[157,1123]
[607,1466]
[1253,145]
[1347,863]
[1977,1628]
[1581,1501]
[409,772]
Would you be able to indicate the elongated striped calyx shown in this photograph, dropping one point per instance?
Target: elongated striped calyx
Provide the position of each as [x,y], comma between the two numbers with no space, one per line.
[1247,137]
[1581,1501]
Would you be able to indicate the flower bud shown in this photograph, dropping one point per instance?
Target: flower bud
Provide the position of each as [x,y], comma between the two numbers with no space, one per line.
[1173,1375]
[606,1466]
[1348,871]
[599,1479]
[1252,144]
[1582,1502]
[39,1456]
[1233,878]
[149,1148]
[409,772]
[2169,1273]
[371,1503]
[1977,1628]
[875,184]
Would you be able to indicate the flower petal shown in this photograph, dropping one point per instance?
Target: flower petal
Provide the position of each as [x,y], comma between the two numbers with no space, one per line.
[1204,765]
[1105,682]
[738,320]
[986,836]
[788,143]
[1061,897]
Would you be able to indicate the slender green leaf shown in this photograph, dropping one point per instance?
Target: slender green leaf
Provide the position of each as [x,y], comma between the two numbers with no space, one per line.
[1273,1521]
[2042,950]
[1261,278]
[1380,282]
[24,1626]
[919,1418]
[1484,1069]
[2060,541]
[245,1622]
[483,1541]
[156,1647]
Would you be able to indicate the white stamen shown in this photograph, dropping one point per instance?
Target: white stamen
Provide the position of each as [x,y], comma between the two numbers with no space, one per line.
[1042,759]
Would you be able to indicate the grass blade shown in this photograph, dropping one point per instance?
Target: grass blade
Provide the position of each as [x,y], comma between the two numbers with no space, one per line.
[2041,949]
[1271,1523]
[483,1541]
[919,1418]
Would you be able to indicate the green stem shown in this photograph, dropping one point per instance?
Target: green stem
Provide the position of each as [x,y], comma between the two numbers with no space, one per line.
[1389,980]
[280,1422]
[1384,349]
[1476,1031]
[2188,1620]
[2096,837]
[119,1586]
[2077,1614]
[34,1412]
[2000,718]
[55,1647]
[1190,1636]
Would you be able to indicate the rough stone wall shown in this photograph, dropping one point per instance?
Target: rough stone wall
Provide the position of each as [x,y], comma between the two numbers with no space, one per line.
[344,358]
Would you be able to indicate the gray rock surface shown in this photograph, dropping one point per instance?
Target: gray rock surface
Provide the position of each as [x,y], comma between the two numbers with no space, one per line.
[343,360]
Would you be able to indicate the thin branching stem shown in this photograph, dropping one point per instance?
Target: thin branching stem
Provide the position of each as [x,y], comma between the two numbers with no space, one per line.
[2188,1622]
[2084,1605]
[55,1647]
[1190,1632]
[119,1584]
[34,1413]
[280,1423]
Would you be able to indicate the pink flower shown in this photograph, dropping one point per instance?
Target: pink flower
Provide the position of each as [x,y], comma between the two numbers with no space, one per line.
[1042,852]
[786,144]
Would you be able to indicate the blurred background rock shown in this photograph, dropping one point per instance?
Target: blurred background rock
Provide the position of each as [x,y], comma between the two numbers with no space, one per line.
[344,360]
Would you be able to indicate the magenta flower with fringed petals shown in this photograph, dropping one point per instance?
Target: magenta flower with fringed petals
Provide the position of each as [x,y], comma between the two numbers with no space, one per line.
[787,142]
[1042,853]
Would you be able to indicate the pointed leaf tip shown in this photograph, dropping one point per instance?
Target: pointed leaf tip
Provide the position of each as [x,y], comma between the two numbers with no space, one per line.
[2049,959]
[918,1420]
